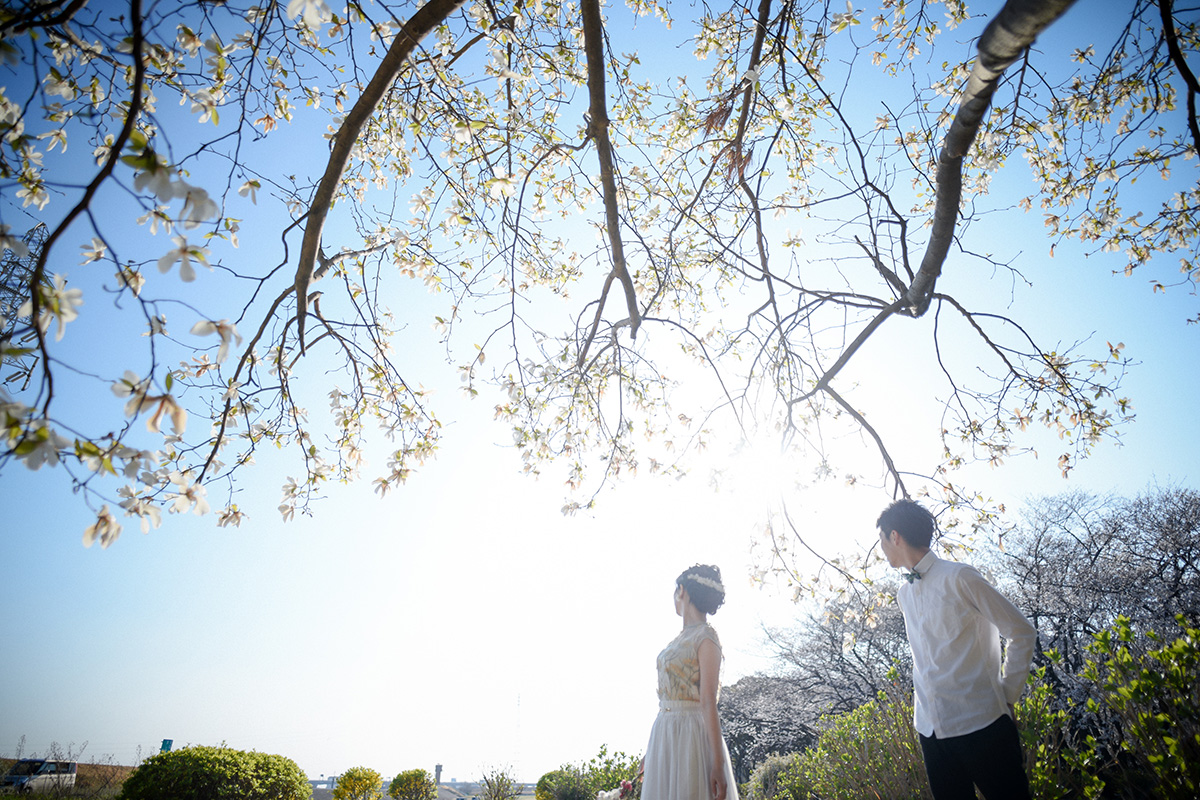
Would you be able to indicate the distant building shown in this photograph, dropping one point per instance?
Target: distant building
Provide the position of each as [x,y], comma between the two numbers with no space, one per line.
[472,790]
[449,790]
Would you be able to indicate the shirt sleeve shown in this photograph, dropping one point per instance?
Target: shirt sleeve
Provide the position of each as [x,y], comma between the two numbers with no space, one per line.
[1016,630]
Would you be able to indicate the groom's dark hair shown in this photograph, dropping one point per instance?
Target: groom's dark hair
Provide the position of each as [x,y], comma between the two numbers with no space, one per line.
[909,519]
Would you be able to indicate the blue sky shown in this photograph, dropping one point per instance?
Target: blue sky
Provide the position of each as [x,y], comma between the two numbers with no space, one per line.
[463,620]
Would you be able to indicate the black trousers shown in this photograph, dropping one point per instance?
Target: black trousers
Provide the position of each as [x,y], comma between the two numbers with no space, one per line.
[989,758]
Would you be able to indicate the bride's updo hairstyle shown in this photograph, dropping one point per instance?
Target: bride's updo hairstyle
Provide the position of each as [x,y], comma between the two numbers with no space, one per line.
[704,587]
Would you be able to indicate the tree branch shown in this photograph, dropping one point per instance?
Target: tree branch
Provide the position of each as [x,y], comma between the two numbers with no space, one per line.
[20,24]
[593,44]
[114,155]
[1012,31]
[1193,87]
[418,26]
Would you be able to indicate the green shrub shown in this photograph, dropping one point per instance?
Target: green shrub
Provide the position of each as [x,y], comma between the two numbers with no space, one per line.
[216,773]
[584,781]
[413,784]
[792,783]
[561,784]
[359,783]
[606,771]
[1155,694]
[1062,763]
[871,751]
[766,784]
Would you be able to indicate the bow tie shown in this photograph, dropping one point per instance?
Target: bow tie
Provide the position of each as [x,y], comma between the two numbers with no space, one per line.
[912,575]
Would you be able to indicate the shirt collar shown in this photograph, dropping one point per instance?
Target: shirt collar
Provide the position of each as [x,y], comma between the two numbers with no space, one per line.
[925,563]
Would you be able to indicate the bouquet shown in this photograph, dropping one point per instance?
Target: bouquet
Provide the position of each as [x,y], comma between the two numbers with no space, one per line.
[626,791]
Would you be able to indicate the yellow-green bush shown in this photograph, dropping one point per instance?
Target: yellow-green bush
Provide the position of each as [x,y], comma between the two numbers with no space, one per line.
[216,773]
[413,784]
[871,751]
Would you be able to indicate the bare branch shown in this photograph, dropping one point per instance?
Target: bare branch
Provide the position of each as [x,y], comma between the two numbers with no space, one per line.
[114,155]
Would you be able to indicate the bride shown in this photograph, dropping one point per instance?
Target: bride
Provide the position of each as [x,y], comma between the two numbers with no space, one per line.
[686,758]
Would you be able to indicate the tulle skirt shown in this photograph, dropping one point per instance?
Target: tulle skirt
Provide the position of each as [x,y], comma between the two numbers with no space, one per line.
[678,757]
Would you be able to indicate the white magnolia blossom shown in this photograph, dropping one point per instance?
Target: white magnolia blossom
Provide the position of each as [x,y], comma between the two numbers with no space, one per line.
[183,253]
[165,405]
[35,195]
[105,528]
[94,251]
[189,41]
[205,102]
[133,387]
[223,328]
[218,50]
[40,444]
[58,303]
[197,205]
[54,84]
[137,506]
[102,150]
[158,326]
[314,12]
[250,189]
[502,185]
[156,216]
[841,20]
[11,411]
[96,460]
[134,460]
[132,279]
[231,516]
[291,493]
[187,496]
[56,137]
[159,179]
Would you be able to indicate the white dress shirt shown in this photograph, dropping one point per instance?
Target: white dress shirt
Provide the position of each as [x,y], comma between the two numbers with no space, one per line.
[954,620]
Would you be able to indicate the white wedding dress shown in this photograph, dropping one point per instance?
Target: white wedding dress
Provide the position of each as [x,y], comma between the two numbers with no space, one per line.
[678,757]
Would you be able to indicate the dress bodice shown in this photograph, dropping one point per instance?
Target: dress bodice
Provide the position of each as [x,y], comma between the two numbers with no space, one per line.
[679,663]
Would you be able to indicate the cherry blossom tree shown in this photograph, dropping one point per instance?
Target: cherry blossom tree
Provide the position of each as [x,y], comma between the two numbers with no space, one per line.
[270,172]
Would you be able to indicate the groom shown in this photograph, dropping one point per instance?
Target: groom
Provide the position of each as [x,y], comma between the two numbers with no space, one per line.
[962,699]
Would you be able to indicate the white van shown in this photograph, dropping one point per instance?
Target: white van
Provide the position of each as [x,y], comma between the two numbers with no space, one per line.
[40,775]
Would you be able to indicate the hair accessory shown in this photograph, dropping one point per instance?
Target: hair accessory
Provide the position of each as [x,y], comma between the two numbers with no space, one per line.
[703,581]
